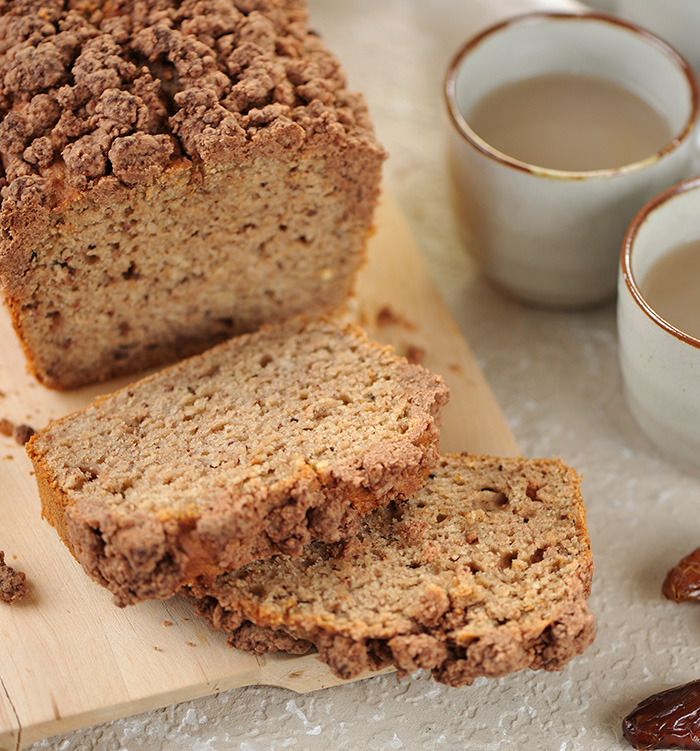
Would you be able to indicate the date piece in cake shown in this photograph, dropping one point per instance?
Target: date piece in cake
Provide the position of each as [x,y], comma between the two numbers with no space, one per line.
[172,174]
[484,571]
[254,447]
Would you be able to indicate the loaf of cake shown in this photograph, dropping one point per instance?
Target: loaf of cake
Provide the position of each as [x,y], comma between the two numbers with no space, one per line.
[484,571]
[256,446]
[173,173]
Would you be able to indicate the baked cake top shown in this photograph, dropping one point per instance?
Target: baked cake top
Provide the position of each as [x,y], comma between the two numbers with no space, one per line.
[111,93]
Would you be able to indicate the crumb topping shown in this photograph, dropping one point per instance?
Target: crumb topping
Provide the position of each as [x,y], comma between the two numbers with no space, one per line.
[121,89]
[13,584]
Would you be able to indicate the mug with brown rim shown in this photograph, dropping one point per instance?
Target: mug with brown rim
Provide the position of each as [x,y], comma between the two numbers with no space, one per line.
[546,221]
[658,319]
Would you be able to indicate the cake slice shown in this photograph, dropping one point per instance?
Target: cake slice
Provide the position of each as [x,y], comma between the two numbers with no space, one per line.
[257,446]
[173,174]
[484,571]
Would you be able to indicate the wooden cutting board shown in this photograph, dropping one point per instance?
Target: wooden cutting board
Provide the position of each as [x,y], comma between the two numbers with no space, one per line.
[68,657]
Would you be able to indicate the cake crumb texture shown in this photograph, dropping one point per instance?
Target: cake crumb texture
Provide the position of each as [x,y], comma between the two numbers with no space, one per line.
[257,446]
[484,571]
[13,584]
[172,174]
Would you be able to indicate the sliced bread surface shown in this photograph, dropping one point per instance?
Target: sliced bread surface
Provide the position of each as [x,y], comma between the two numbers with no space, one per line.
[484,571]
[257,446]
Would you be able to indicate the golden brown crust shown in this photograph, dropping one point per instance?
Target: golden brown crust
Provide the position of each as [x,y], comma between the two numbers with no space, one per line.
[257,446]
[483,572]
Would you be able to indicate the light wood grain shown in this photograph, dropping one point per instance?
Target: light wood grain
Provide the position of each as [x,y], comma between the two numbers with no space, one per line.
[68,657]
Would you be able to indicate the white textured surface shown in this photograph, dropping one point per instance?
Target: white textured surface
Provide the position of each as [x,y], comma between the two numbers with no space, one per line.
[557,380]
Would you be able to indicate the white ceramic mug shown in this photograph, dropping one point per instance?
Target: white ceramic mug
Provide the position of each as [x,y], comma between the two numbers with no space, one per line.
[676,21]
[552,237]
[660,364]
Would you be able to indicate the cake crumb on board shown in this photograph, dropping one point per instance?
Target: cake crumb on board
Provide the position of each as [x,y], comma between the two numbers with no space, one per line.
[21,433]
[13,584]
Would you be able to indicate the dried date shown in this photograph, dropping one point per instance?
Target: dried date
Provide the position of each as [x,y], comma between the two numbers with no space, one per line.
[670,719]
[682,583]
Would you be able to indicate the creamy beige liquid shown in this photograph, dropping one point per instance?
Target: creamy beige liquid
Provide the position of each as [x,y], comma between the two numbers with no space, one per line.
[672,288]
[569,122]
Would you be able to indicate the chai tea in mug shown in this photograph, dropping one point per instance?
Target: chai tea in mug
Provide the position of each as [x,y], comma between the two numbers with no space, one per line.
[571,122]
[672,288]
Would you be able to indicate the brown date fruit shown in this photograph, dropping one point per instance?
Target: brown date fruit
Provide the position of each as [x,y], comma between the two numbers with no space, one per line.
[682,583]
[670,719]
